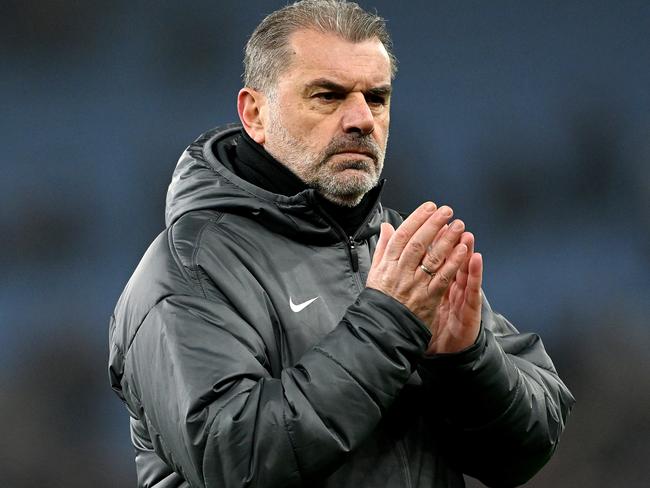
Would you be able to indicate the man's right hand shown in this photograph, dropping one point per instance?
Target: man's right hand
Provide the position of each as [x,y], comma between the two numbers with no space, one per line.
[423,238]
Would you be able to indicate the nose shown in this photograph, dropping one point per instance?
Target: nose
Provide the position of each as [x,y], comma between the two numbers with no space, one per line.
[357,116]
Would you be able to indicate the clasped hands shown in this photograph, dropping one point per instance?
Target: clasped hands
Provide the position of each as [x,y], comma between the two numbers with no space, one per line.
[429,265]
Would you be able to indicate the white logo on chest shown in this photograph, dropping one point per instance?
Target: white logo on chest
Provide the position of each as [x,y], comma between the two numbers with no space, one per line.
[300,306]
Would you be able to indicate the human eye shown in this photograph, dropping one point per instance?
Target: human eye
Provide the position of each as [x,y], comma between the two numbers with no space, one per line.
[376,100]
[327,96]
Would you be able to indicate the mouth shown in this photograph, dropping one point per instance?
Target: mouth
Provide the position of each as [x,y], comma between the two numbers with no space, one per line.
[352,162]
[356,153]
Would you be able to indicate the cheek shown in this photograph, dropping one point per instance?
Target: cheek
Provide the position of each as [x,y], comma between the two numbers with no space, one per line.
[381,130]
[301,124]
[380,134]
[317,133]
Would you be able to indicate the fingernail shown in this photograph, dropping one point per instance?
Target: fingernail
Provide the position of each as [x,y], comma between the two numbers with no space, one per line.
[462,249]
[445,211]
[429,207]
[457,225]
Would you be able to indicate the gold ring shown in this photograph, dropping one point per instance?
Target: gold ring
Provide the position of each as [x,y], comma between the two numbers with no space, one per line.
[427,270]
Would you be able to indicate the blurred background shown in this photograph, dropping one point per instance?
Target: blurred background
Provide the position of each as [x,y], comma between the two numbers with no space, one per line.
[532,119]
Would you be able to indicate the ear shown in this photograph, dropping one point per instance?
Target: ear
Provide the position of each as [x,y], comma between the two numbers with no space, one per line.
[250,105]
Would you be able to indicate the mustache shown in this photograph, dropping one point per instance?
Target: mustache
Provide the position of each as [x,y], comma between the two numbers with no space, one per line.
[354,143]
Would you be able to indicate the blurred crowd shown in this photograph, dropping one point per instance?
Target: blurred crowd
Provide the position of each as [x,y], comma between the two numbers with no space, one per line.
[532,119]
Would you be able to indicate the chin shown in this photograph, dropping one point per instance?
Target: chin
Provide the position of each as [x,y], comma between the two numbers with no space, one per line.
[346,189]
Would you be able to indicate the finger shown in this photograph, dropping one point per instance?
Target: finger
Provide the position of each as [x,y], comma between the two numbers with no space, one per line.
[456,294]
[444,277]
[461,277]
[405,231]
[440,233]
[417,246]
[474,281]
[443,247]
[385,232]
[468,239]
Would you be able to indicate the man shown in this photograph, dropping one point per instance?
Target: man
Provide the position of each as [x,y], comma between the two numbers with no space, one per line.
[287,330]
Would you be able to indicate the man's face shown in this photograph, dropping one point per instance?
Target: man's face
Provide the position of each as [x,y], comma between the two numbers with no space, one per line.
[328,117]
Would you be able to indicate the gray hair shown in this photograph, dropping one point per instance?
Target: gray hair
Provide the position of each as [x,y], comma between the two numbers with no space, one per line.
[267,51]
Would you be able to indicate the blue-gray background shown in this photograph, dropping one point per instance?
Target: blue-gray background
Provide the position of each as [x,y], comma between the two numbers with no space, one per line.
[532,119]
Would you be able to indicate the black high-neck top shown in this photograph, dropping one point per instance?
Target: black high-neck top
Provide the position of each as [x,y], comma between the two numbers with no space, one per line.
[251,162]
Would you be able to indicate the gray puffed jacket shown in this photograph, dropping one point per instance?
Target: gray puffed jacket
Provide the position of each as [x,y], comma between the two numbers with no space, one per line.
[249,353]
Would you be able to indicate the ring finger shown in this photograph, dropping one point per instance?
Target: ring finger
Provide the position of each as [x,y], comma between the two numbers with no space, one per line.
[441,247]
[416,248]
[445,275]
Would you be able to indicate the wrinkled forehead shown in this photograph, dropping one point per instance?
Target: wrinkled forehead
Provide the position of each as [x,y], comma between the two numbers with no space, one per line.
[315,54]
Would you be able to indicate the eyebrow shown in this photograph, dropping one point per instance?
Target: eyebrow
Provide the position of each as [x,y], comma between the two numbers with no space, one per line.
[383,90]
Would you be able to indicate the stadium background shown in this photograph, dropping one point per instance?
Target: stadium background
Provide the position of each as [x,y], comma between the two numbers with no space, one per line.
[532,119]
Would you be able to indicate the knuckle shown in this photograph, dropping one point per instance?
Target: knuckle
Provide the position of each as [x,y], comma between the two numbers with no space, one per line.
[435,260]
[451,239]
[444,279]
[416,247]
[400,237]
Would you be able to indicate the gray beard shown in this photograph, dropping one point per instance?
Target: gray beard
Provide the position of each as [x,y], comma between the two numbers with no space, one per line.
[318,172]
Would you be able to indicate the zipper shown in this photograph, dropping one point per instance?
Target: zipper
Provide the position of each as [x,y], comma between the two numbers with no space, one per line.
[354,260]
[351,244]
[353,254]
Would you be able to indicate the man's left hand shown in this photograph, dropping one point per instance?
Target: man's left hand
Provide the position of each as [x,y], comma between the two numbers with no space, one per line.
[458,319]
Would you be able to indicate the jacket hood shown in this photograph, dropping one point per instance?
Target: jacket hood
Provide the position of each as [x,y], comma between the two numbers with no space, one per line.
[201,182]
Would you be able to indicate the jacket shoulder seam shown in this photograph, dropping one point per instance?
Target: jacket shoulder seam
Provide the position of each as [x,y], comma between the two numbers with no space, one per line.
[193,263]
[144,318]
[185,270]
[189,267]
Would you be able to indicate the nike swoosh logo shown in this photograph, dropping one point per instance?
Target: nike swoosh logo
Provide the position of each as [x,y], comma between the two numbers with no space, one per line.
[300,306]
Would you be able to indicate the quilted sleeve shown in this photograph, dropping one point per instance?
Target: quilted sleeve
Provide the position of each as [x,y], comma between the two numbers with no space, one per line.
[503,404]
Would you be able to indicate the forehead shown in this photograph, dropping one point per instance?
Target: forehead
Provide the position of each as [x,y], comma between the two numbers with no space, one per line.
[316,54]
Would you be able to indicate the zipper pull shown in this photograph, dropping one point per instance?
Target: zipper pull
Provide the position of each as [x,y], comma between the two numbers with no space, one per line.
[354,256]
